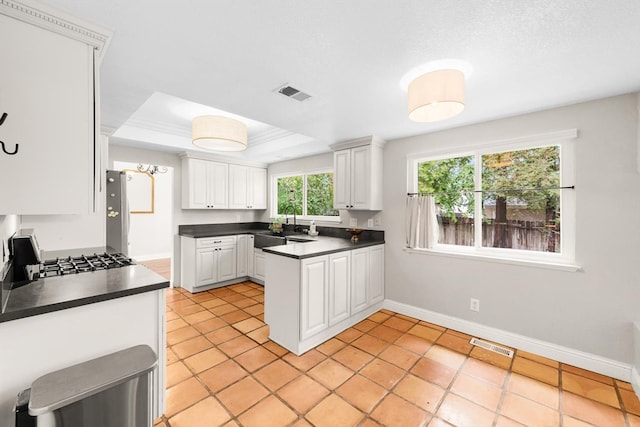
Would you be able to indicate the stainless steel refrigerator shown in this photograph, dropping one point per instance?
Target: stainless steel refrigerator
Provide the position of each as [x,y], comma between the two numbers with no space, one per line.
[117,211]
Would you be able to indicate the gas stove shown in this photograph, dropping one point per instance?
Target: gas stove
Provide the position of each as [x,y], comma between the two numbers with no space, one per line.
[84,263]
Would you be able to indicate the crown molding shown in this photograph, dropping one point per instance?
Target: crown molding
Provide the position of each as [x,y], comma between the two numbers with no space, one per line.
[367,140]
[49,18]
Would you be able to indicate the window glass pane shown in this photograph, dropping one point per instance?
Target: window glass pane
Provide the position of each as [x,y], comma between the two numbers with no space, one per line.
[320,195]
[519,209]
[290,195]
[451,183]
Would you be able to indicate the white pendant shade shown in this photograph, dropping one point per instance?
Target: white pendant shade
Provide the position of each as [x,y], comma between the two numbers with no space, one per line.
[219,133]
[437,95]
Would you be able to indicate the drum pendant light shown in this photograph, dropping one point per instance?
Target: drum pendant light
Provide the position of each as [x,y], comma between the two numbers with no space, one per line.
[436,95]
[219,133]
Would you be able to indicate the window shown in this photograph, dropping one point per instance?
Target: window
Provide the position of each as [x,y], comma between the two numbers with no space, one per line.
[306,194]
[503,201]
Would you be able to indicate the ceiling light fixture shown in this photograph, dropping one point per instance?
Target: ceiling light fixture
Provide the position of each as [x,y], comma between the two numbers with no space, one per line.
[219,133]
[436,95]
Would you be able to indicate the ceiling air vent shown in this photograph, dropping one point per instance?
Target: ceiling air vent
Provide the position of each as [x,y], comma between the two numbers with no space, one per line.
[292,92]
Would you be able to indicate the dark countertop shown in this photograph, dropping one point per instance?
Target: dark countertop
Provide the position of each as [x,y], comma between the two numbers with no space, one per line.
[226,229]
[320,245]
[61,292]
[213,233]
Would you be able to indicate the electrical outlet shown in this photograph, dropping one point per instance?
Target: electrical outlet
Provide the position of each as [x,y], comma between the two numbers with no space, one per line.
[378,221]
[353,222]
[474,304]
[370,222]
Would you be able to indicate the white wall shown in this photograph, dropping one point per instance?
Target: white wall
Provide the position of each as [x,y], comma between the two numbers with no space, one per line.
[591,310]
[58,232]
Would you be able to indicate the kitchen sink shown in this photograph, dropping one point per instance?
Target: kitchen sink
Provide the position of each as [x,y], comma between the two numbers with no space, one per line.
[297,239]
[266,240]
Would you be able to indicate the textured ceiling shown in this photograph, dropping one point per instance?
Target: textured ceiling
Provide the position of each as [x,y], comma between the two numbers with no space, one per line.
[350,56]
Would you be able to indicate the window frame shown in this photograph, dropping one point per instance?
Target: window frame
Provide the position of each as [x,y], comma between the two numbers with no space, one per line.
[566,142]
[274,195]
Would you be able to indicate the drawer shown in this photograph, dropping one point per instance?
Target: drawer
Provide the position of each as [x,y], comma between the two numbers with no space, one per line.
[210,242]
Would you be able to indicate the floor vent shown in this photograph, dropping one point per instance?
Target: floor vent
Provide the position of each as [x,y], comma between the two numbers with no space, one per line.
[492,347]
[292,92]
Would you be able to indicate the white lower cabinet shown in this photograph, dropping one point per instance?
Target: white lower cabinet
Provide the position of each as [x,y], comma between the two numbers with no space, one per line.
[250,255]
[206,266]
[311,300]
[314,316]
[258,265]
[359,279]
[376,274]
[226,260]
[206,261]
[242,257]
[339,292]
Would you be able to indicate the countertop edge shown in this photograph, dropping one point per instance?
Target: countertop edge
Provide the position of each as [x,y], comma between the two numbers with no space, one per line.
[34,311]
[323,252]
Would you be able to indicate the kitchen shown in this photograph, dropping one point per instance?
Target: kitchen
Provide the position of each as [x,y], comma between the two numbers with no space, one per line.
[584,318]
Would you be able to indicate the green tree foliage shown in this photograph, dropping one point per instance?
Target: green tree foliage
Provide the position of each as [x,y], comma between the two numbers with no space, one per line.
[451,182]
[522,178]
[528,170]
[320,195]
[290,195]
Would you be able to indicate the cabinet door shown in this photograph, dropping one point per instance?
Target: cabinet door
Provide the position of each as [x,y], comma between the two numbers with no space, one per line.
[226,262]
[218,185]
[238,187]
[197,175]
[206,266]
[313,296]
[47,92]
[359,279]
[242,264]
[250,256]
[339,280]
[258,264]
[257,188]
[341,179]
[376,274]
[360,177]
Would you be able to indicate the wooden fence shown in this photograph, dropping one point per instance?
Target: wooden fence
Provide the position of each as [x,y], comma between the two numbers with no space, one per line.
[527,235]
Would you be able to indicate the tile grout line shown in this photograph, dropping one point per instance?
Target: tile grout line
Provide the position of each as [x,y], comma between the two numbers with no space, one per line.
[391,390]
[196,376]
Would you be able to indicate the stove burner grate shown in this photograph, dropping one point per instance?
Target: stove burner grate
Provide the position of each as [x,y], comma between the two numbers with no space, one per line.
[84,263]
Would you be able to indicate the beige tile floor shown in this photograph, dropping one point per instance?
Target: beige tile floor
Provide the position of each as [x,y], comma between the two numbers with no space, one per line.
[392,370]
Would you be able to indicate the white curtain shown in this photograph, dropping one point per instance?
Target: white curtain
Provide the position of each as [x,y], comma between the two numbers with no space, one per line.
[422,223]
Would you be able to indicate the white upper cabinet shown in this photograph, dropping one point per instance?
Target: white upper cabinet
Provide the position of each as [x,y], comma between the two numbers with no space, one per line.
[204,184]
[357,178]
[247,187]
[216,184]
[49,156]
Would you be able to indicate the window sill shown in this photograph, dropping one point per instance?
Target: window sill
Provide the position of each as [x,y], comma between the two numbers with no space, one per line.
[501,260]
[308,219]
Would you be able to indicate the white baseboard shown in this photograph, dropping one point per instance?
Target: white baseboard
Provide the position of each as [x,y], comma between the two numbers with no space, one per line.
[151,256]
[590,362]
[635,380]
